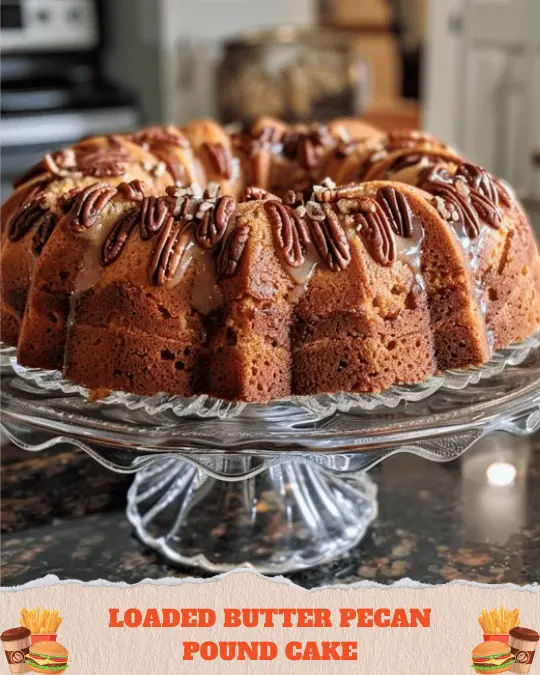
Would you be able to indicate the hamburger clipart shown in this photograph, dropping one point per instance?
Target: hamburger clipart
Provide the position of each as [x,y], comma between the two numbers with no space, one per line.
[492,657]
[47,657]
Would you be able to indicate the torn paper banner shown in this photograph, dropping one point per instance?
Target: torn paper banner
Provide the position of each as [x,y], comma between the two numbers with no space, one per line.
[245,623]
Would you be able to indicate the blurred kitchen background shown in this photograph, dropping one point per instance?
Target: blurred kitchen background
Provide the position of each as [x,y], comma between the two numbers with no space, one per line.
[467,70]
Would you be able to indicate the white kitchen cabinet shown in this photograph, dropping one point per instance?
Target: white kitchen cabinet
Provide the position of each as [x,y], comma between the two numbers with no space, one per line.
[482,83]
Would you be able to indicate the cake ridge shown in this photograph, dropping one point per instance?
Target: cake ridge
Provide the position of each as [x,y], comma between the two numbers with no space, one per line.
[262,262]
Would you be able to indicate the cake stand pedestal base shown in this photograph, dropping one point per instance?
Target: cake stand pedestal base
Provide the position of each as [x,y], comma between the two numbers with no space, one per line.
[286,517]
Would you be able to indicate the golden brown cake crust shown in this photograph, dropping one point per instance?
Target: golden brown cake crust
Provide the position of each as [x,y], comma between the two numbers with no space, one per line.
[199,260]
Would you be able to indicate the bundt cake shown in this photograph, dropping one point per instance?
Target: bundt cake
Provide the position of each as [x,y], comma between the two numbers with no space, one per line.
[256,263]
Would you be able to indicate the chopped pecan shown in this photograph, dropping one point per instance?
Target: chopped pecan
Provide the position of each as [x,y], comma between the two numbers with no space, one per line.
[60,163]
[322,193]
[87,204]
[291,198]
[374,227]
[253,193]
[43,232]
[132,191]
[171,246]
[220,159]
[214,222]
[118,236]
[397,209]
[231,251]
[289,230]
[330,240]
[154,212]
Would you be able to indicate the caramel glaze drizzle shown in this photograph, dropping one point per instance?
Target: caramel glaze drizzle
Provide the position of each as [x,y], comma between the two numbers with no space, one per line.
[43,232]
[376,219]
[204,220]
[470,196]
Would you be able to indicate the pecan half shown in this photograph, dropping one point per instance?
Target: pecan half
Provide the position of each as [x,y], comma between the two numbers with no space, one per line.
[330,240]
[214,222]
[483,182]
[468,197]
[158,134]
[306,153]
[486,209]
[397,209]
[43,232]
[269,135]
[132,191]
[174,167]
[87,205]
[171,247]
[30,215]
[104,162]
[374,227]
[231,251]
[289,231]
[154,212]
[62,162]
[402,138]
[457,205]
[220,159]
[294,199]
[118,236]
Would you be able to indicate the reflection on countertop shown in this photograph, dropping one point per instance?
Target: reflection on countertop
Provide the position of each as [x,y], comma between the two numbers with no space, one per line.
[476,519]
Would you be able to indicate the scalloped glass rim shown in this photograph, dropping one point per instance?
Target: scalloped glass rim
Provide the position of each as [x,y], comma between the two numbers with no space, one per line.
[322,405]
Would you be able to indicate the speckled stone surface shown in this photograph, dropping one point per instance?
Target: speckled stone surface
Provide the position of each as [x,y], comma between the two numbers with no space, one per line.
[63,514]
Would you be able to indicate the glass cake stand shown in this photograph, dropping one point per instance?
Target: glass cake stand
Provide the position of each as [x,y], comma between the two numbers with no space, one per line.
[276,487]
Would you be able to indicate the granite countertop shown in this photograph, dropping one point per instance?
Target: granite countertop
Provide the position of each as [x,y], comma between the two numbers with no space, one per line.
[63,514]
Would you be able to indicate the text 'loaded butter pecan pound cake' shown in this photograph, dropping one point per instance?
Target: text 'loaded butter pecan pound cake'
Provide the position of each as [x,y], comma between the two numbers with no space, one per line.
[252,264]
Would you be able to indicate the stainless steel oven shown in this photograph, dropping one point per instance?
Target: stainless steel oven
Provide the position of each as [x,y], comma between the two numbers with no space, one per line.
[54,88]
